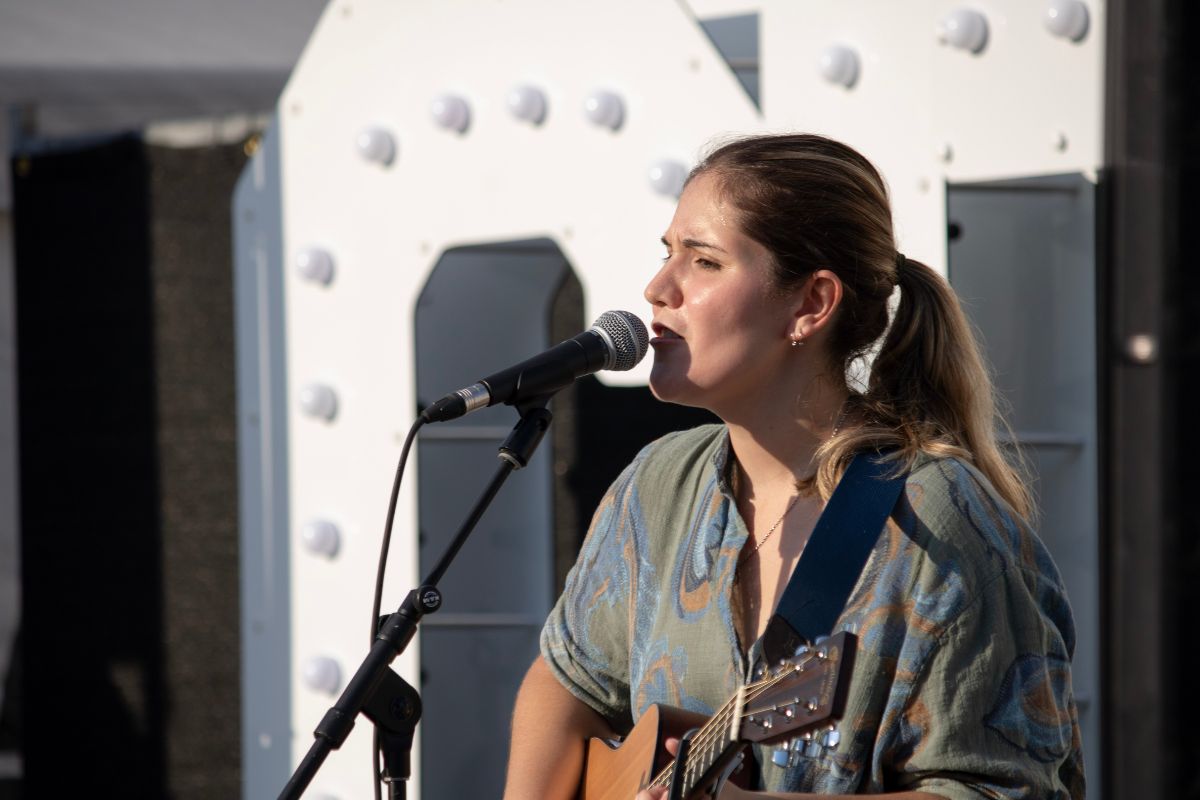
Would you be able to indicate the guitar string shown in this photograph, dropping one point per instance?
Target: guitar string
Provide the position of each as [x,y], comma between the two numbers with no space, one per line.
[705,738]
[710,731]
[716,726]
[716,729]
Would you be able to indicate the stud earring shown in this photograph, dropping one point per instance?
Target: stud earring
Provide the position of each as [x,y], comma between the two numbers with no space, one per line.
[797,341]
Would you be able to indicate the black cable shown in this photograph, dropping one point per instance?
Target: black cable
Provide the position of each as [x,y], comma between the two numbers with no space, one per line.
[379,573]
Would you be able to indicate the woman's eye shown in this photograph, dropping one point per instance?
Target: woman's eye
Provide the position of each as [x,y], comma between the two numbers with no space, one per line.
[704,262]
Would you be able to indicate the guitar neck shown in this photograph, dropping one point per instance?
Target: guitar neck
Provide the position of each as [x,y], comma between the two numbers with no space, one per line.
[712,748]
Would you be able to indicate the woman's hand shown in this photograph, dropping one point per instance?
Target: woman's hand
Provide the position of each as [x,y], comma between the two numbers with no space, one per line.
[659,792]
[671,743]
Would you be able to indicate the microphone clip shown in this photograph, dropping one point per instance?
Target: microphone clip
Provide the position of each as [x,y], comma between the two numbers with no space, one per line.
[527,435]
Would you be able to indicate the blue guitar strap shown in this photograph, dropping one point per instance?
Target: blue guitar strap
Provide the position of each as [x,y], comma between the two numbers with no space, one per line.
[835,555]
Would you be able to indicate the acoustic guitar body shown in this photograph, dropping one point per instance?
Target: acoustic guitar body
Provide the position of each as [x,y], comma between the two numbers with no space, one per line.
[618,772]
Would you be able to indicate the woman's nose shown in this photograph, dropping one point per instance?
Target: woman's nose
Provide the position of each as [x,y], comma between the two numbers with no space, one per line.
[662,290]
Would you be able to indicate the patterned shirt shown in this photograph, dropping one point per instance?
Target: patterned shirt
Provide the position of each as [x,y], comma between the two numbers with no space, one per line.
[961,684]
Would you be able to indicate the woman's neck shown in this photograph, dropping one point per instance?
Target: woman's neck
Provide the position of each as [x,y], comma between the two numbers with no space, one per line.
[776,443]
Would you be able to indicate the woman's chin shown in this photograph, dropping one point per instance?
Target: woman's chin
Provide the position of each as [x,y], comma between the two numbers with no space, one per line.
[661,388]
[670,389]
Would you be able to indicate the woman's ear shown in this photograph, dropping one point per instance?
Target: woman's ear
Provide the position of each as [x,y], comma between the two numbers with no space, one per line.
[816,302]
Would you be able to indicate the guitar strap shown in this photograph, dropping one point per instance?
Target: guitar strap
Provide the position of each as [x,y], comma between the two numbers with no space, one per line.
[834,557]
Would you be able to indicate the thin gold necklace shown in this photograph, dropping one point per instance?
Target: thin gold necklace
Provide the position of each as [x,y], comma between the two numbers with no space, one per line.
[760,542]
[837,426]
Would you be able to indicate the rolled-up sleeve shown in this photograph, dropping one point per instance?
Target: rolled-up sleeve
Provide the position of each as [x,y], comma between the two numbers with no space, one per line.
[586,638]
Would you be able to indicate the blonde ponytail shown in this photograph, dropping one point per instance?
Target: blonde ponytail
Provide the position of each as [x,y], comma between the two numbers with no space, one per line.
[929,392]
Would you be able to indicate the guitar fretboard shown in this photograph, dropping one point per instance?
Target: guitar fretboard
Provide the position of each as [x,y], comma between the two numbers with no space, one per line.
[721,732]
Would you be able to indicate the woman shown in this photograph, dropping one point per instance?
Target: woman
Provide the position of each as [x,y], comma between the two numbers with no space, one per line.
[780,262]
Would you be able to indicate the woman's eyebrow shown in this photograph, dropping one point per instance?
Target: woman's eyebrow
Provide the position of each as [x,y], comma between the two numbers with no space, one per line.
[695,244]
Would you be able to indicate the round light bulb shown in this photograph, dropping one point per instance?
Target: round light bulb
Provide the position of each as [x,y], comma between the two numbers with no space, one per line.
[322,674]
[965,29]
[451,112]
[321,537]
[1067,18]
[376,145]
[667,177]
[605,109]
[315,264]
[839,64]
[528,103]
[319,401]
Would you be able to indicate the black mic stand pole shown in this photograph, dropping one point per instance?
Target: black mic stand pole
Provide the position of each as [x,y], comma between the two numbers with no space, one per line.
[375,690]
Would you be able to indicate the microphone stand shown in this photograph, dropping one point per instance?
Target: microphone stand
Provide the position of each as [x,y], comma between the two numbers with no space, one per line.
[375,690]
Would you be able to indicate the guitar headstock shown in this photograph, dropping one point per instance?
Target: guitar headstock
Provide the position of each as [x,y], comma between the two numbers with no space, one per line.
[802,695]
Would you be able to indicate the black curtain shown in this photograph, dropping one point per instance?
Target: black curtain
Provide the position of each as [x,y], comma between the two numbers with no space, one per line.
[128,464]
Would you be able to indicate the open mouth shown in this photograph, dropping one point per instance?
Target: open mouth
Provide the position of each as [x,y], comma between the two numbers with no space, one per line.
[663,332]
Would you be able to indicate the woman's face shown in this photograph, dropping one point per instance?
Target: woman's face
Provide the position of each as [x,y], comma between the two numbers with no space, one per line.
[720,330]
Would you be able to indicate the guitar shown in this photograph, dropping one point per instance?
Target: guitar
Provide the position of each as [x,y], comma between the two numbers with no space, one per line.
[804,695]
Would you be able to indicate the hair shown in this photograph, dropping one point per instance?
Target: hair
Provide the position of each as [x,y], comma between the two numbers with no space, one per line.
[815,203]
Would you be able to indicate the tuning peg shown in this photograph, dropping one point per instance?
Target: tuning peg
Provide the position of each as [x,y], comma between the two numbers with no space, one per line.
[802,650]
[764,722]
[820,640]
[832,737]
[788,754]
[813,749]
[797,746]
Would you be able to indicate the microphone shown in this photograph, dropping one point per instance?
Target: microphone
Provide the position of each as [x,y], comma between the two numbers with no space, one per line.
[617,340]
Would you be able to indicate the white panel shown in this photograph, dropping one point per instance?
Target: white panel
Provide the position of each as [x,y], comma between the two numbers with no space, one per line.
[581,185]
[999,111]
[1002,111]
[885,115]
[708,9]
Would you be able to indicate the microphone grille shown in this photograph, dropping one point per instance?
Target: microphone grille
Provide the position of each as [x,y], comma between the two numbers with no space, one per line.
[628,335]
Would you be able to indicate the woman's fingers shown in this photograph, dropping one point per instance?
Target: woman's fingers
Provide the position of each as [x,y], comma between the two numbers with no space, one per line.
[653,793]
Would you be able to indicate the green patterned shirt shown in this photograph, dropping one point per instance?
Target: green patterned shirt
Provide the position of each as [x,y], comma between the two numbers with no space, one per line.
[961,684]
